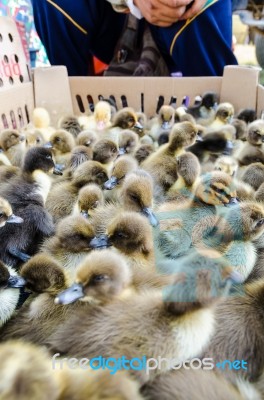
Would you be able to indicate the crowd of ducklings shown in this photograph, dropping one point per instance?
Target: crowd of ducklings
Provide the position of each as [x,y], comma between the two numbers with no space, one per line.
[123,235]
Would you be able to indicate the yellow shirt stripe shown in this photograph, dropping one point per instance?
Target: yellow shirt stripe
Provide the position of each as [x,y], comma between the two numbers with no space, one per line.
[68,16]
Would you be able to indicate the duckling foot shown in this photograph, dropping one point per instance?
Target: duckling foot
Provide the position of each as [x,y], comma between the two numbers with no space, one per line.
[18,254]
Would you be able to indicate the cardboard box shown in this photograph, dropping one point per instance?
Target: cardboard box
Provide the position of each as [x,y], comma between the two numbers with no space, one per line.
[53,89]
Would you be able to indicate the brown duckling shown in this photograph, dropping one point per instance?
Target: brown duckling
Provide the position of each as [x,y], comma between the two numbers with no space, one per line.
[223,115]
[71,242]
[130,234]
[255,143]
[10,283]
[14,145]
[89,198]
[87,138]
[163,122]
[105,151]
[143,151]
[128,141]
[162,164]
[63,196]
[126,118]
[27,195]
[259,195]
[254,175]
[71,124]
[8,172]
[79,155]
[62,143]
[155,324]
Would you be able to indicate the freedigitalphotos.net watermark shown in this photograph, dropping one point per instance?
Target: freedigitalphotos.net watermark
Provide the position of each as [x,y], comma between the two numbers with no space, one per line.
[143,364]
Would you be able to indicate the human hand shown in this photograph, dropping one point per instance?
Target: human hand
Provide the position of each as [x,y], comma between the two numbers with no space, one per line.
[162,12]
[194,9]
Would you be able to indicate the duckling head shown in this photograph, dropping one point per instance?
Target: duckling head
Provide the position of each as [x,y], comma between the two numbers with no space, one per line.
[74,234]
[137,194]
[130,233]
[254,175]
[39,158]
[40,118]
[10,138]
[188,167]
[182,135]
[71,124]
[126,118]
[86,138]
[100,277]
[241,129]
[256,133]
[128,141]
[143,151]
[166,117]
[9,279]
[62,141]
[42,274]
[225,112]
[122,167]
[105,151]
[89,198]
[26,372]
[216,188]
[6,214]
[34,138]
[226,164]
[102,114]
[89,172]
[79,155]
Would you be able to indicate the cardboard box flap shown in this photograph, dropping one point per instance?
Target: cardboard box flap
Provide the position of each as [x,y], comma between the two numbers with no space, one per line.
[239,86]
[52,91]
[16,106]
[13,64]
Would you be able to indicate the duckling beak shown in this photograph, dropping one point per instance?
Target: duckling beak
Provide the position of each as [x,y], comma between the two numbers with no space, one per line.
[121,151]
[57,169]
[14,219]
[100,242]
[151,216]
[138,126]
[199,138]
[16,282]
[111,183]
[101,125]
[228,149]
[232,202]
[165,125]
[85,214]
[70,295]
[48,145]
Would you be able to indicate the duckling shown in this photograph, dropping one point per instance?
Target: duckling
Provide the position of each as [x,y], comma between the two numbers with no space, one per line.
[198,384]
[41,122]
[205,109]
[143,151]
[100,276]
[34,138]
[79,155]
[14,145]
[71,242]
[8,172]
[71,124]
[62,143]
[105,151]
[89,198]
[162,164]
[180,223]
[87,138]
[64,194]
[126,118]
[239,331]
[10,283]
[223,115]
[254,175]
[122,166]
[128,141]
[26,372]
[259,195]
[181,115]
[27,195]
[130,234]
[102,115]
[188,169]
[155,324]
[247,115]
[255,141]
[136,194]
[6,214]
[163,122]
[241,129]
[226,164]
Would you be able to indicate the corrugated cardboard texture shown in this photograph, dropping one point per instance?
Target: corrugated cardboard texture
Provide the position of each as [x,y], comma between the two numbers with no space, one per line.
[13,65]
[260,101]
[16,106]
[52,91]
[239,86]
[143,94]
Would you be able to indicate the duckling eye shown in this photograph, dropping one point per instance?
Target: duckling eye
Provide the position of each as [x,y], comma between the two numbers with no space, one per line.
[220,191]
[48,156]
[1,215]
[225,113]
[99,278]
[134,197]
[130,119]
[256,132]
[121,235]
[58,139]
[260,222]
[100,175]
[38,140]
